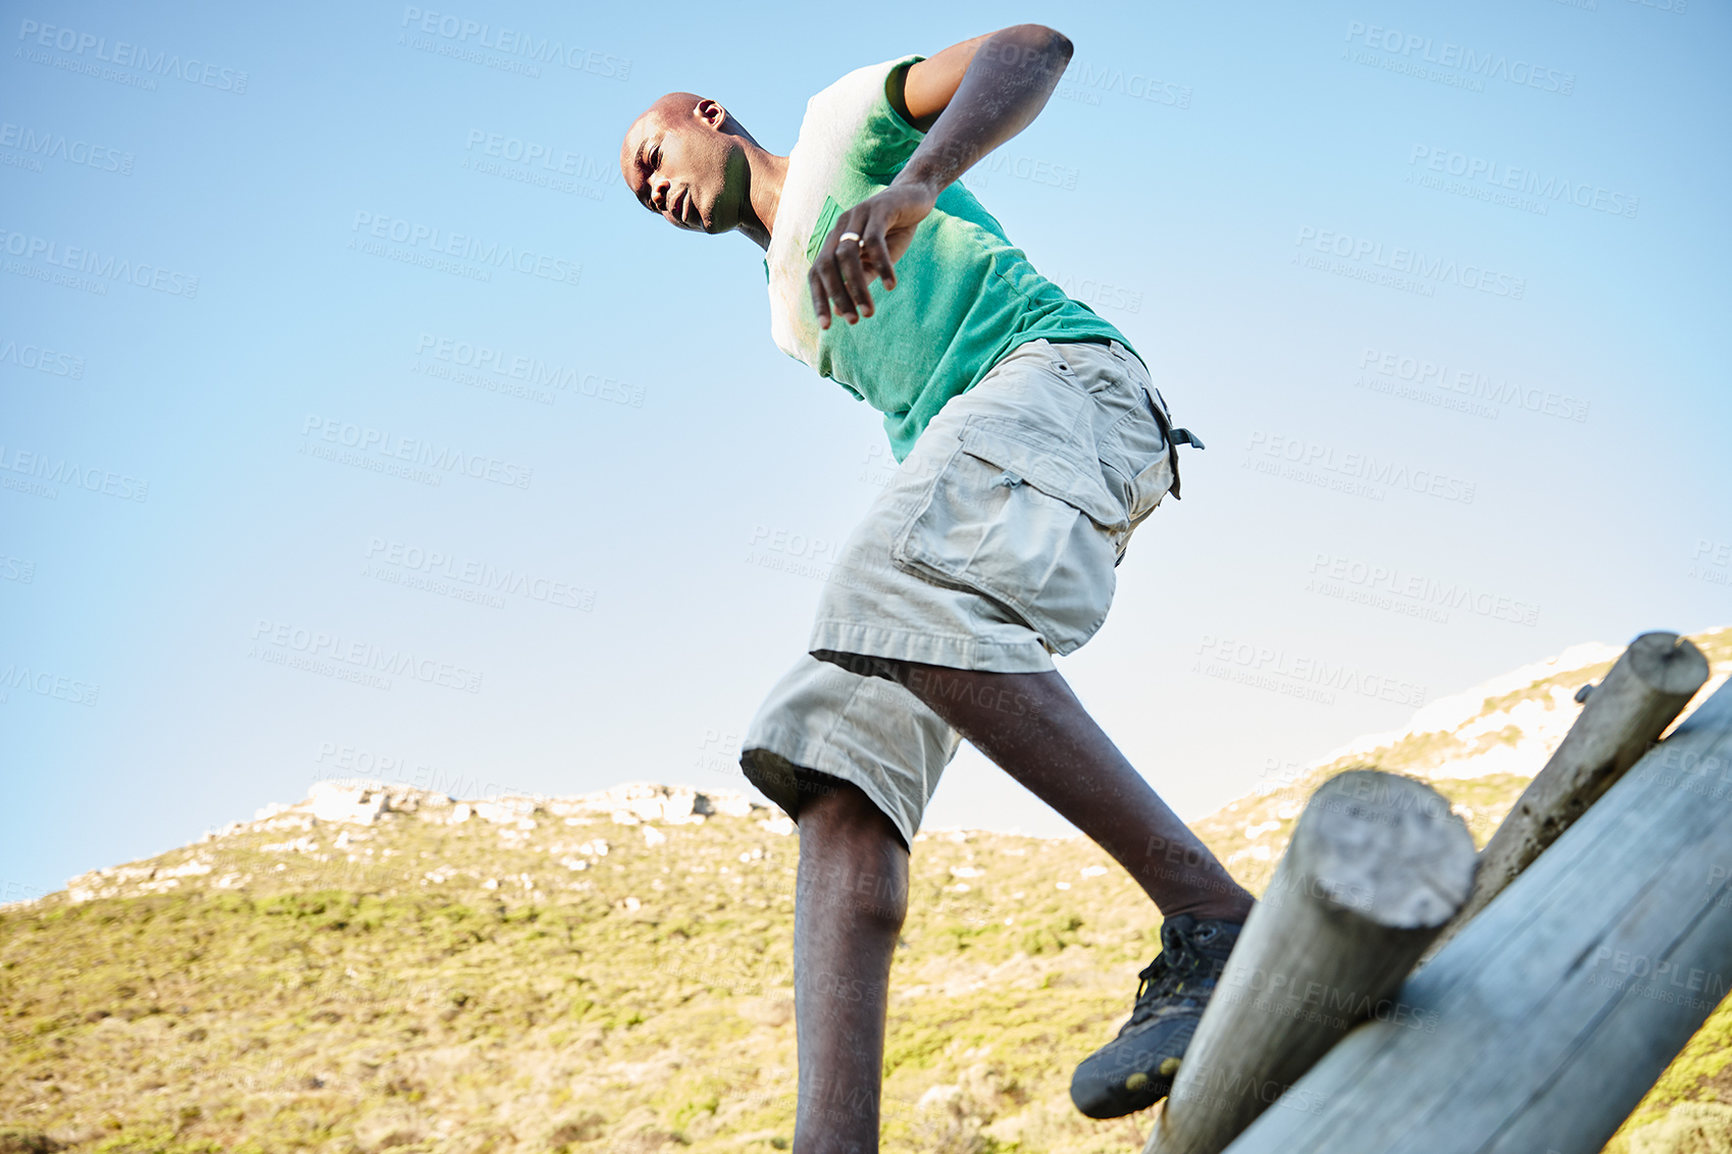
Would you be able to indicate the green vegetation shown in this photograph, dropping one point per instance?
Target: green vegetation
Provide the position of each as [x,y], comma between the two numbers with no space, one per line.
[569,983]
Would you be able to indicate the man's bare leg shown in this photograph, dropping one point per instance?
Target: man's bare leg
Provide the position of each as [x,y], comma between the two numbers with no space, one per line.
[852,886]
[850,898]
[1036,730]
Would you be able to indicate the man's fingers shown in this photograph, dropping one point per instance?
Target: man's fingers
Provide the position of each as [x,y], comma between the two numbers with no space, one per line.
[830,284]
[848,258]
[877,250]
[820,304]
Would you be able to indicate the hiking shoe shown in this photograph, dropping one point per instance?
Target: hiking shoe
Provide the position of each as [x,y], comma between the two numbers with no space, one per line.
[1136,1069]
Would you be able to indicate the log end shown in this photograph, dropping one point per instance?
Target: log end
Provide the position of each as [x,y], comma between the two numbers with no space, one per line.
[1387,848]
[1670,664]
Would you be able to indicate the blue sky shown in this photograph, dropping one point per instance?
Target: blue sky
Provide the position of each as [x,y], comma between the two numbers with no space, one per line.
[1441,286]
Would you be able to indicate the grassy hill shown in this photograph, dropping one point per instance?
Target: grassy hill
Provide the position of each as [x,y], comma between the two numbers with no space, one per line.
[379,968]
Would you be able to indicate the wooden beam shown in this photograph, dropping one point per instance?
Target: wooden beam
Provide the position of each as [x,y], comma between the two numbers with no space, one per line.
[1376,866]
[1625,714]
[1548,1017]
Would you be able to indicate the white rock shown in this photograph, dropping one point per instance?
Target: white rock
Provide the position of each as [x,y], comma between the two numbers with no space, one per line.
[299,845]
[507,810]
[653,836]
[939,1096]
[359,803]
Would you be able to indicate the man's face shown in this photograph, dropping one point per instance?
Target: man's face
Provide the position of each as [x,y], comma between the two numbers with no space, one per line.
[681,165]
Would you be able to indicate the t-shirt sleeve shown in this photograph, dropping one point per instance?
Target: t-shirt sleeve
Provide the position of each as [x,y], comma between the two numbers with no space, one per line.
[885,140]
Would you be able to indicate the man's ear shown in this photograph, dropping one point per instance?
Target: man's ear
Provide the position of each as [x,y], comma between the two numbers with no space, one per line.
[711,113]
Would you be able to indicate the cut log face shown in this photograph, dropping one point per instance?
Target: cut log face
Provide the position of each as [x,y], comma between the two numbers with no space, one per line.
[1377,865]
[1545,1021]
[1645,691]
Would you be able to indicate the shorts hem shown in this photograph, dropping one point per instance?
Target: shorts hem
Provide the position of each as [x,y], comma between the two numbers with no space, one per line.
[778,776]
[926,649]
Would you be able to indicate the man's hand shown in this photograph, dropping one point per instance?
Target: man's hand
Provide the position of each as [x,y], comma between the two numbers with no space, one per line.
[971,98]
[843,269]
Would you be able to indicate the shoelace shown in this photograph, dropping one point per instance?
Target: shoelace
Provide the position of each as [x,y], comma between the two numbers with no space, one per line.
[1162,977]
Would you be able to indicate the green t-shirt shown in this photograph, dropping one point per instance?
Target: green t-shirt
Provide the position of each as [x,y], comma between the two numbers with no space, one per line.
[964,296]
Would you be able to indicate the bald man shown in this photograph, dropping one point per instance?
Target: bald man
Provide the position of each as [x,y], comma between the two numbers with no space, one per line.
[1030,444]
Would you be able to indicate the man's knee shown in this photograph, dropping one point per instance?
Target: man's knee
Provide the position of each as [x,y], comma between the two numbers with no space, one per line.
[852,853]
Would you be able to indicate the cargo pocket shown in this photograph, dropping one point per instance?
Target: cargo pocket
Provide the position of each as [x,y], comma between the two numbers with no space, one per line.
[1028,525]
[1140,461]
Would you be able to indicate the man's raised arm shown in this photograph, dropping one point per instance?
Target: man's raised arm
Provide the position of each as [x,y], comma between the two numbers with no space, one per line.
[1001,85]
[970,98]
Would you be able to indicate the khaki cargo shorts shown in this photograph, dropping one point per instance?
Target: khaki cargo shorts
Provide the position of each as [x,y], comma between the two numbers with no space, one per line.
[993,547]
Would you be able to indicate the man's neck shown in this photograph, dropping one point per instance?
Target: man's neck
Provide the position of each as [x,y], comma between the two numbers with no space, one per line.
[768,172]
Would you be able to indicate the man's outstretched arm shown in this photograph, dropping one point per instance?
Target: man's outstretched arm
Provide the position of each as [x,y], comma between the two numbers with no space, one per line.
[971,98]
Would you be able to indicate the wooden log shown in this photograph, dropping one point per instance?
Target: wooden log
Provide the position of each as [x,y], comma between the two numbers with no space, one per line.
[1542,1025]
[1625,714]
[1376,866]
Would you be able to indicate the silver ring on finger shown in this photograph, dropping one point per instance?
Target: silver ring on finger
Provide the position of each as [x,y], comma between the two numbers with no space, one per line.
[853,236]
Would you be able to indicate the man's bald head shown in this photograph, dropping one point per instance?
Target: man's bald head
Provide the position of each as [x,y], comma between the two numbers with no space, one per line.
[685,158]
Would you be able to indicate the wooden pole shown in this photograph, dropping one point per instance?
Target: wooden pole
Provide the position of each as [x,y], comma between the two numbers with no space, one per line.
[1544,1022]
[1377,864]
[1625,714]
